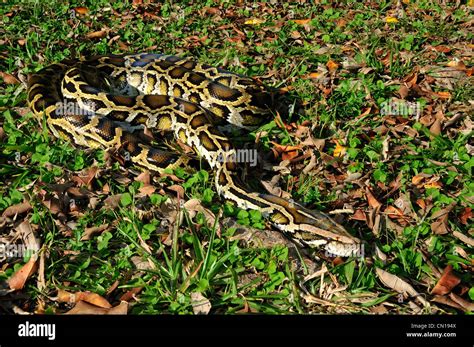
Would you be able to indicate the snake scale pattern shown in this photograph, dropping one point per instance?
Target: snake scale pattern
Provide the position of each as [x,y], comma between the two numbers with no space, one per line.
[120,95]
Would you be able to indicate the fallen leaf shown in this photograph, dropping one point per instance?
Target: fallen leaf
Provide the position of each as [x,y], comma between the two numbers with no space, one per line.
[89,232]
[144,177]
[373,202]
[295,34]
[86,176]
[178,189]
[17,209]
[97,34]
[466,305]
[447,282]
[340,150]
[81,10]
[466,239]
[391,20]
[113,201]
[393,212]
[194,206]
[254,21]
[30,239]
[332,66]
[442,49]
[359,215]
[465,215]
[92,298]
[86,308]
[400,286]
[129,295]
[403,91]
[312,75]
[443,95]
[201,305]
[436,127]
[147,189]
[417,179]
[19,278]
[302,21]
[440,225]
[8,78]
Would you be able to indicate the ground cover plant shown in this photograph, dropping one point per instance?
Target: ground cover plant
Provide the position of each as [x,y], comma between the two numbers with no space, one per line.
[378,134]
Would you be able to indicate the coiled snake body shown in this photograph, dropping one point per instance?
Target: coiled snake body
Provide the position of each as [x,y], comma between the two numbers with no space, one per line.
[118,95]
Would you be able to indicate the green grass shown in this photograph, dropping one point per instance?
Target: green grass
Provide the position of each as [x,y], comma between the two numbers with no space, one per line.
[193,257]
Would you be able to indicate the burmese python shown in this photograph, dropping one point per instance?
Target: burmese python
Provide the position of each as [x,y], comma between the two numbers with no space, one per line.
[119,95]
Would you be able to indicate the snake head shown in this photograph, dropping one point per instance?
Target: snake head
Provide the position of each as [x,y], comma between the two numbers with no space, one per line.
[313,228]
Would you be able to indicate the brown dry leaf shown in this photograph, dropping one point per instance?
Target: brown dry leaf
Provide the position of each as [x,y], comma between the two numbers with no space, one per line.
[442,49]
[465,215]
[312,75]
[359,215]
[446,301]
[440,225]
[86,308]
[295,34]
[403,91]
[340,150]
[372,201]
[447,282]
[16,209]
[436,127]
[178,189]
[194,206]
[201,305]
[457,64]
[123,46]
[8,78]
[18,280]
[443,95]
[417,179]
[89,232]
[144,177]
[92,298]
[466,239]
[129,295]
[332,66]
[272,188]
[81,10]
[312,142]
[86,176]
[393,212]
[112,201]
[97,34]
[289,155]
[400,286]
[147,189]
[466,305]
[30,238]
[302,21]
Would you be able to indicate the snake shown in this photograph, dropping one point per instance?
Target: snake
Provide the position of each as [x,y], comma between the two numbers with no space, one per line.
[115,98]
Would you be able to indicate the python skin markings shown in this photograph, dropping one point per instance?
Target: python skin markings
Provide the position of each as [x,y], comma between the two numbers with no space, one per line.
[121,95]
